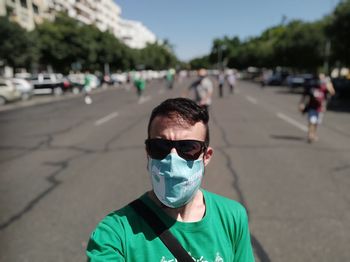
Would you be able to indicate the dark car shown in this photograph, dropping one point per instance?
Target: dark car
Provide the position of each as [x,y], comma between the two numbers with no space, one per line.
[297,81]
[54,84]
[275,79]
[341,87]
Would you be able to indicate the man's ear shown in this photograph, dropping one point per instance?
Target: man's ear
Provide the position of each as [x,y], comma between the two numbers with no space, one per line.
[207,156]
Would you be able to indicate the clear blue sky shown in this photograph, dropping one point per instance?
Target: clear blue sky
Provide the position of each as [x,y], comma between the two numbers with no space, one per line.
[191,25]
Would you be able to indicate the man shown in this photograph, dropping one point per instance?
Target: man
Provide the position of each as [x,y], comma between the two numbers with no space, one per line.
[208,226]
[170,78]
[203,88]
[314,103]
[221,80]
[87,88]
[231,79]
[140,84]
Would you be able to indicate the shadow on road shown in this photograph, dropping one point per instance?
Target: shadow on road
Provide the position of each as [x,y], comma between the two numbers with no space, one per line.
[287,137]
[289,91]
[339,105]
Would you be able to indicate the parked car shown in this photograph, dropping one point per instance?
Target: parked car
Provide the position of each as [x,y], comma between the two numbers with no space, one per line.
[8,91]
[296,81]
[341,87]
[275,79]
[77,82]
[50,84]
[24,87]
[119,78]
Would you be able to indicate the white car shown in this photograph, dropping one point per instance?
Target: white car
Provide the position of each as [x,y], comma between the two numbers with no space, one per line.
[8,91]
[54,84]
[119,78]
[24,87]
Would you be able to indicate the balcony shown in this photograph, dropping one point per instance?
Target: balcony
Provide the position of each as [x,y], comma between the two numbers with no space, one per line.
[84,8]
[83,19]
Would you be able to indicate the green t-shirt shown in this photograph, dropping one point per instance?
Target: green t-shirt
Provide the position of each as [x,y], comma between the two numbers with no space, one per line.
[140,84]
[222,235]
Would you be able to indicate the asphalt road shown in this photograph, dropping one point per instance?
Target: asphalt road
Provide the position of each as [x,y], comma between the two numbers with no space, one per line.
[65,165]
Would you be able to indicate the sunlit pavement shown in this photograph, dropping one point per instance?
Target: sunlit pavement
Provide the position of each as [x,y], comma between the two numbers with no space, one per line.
[65,165]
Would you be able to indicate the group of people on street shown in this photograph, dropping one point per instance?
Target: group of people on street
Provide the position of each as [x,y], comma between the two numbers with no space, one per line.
[202,87]
[316,95]
[313,102]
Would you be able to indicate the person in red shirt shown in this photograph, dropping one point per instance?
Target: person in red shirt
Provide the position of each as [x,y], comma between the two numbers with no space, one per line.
[314,103]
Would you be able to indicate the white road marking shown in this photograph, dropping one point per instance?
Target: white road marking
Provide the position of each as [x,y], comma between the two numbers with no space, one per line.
[292,122]
[143,99]
[251,100]
[106,118]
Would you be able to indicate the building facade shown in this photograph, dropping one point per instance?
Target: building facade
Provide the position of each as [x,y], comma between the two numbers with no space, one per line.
[104,14]
[26,13]
[134,34]
[107,16]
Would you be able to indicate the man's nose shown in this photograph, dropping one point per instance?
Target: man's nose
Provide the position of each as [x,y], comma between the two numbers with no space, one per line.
[173,150]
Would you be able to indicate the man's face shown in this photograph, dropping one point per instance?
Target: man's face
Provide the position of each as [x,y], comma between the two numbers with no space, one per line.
[174,129]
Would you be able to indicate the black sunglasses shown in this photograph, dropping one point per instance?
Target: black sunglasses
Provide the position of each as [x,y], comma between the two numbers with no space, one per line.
[158,148]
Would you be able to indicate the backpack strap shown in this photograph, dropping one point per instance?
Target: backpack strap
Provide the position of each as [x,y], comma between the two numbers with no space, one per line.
[161,230]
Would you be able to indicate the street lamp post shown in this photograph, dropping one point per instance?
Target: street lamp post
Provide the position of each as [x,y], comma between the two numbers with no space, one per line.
[221,48]
[327,52]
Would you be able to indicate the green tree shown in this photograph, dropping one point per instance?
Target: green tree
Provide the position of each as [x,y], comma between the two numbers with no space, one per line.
[61,43]
[155,56]
[338,32]
[65,42]
[301,46]
[200,62]
[16,47]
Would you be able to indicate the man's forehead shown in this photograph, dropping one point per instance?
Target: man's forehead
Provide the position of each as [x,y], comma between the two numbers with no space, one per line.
[165,122]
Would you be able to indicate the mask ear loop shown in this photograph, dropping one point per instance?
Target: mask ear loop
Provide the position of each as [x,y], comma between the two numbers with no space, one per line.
[205,151]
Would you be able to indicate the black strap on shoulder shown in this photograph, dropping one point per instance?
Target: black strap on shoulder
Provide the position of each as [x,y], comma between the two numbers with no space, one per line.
[161,231]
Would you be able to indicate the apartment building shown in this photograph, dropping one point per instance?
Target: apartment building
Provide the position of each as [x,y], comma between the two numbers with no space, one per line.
[26,13]
[104,14]
[107,16]
[134,34]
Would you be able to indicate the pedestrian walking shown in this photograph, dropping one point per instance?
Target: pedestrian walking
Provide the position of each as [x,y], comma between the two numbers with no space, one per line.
[176,220]
[231,79]
[314,103]
[221,80]
[203,89]
[87,88]
[170,78]
[140,84]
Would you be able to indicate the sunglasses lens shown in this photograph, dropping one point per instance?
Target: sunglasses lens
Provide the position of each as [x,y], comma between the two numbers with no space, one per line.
[190,150]
[187,149]
[158,148]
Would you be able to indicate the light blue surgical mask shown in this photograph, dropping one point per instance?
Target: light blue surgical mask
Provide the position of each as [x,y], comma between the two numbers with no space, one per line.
[175,180]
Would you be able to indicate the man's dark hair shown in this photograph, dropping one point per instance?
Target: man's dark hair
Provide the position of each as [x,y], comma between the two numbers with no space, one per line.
[182,109]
